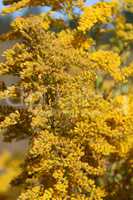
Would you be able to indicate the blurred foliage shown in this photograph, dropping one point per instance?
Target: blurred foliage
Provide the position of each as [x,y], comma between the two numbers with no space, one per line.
[9,169]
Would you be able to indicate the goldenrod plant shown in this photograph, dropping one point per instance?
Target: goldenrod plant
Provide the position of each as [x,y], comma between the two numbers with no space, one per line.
[73,100]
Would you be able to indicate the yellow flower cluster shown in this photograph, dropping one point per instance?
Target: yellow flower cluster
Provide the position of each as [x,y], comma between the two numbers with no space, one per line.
[56,4]
[9,92]
[101,60]
[75,39]
[43,20]
[75,131]
[98,13]
[128,5]
[124,30]
[31,194]
[10,120]
[16,6]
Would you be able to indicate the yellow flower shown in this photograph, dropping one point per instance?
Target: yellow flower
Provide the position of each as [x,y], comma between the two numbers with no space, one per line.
[98,13]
